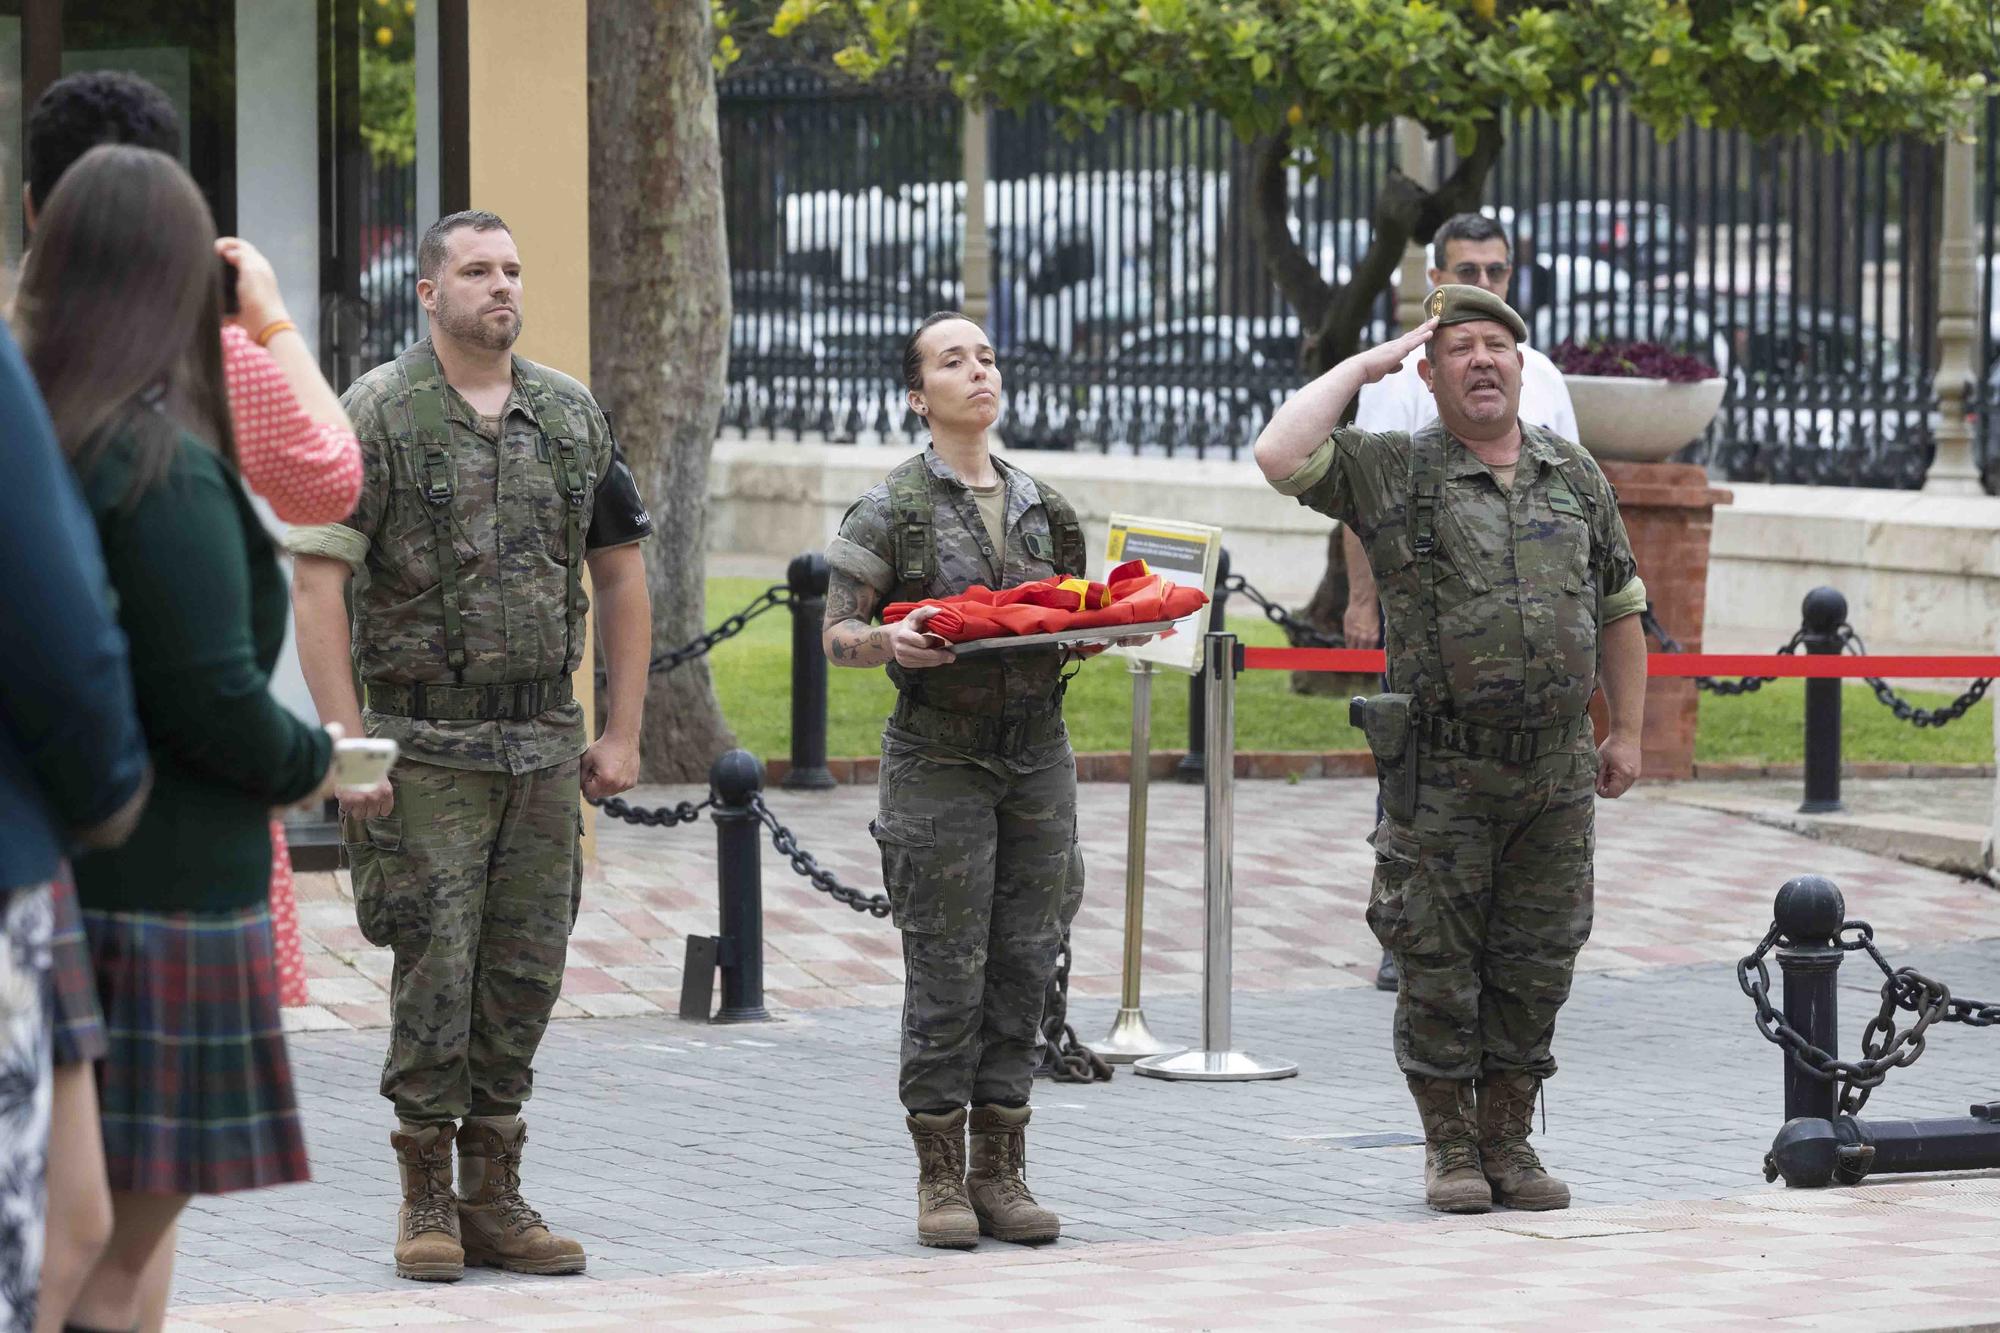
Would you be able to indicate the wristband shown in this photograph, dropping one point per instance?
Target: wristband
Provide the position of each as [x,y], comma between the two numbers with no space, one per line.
[273,329]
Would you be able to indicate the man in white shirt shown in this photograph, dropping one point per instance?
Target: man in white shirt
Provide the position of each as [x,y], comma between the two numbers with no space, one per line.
[1473,249]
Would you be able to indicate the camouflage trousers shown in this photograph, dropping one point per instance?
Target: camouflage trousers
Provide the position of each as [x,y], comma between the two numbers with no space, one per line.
[983,872]
[1484,898]
[473,881]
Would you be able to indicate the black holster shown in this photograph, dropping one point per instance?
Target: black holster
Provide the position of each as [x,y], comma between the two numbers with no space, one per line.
[1390,725]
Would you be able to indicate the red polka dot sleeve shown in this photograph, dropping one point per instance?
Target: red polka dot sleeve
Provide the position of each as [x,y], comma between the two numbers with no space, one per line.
[311,473]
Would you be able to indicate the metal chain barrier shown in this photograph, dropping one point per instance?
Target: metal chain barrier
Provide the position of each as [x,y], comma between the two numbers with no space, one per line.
[1883,1045]
[1299,632]
[1068,1060]
[664,816]
[1905,711]
[775,595]
[803,863]
[1724,688]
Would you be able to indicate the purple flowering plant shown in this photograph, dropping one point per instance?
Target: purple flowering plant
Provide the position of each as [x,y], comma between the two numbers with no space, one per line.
[1630,360]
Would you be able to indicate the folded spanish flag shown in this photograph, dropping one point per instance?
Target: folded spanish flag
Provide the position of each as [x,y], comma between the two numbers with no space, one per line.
[1131,595]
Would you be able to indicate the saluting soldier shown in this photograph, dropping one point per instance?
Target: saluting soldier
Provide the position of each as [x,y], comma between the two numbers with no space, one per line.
[490,483]
[1510,594]
[977,823]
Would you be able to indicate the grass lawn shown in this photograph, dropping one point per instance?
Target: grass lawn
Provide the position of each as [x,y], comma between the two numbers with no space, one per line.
[753,680]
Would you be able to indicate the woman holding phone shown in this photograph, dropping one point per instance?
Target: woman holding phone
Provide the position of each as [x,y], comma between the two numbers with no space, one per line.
[119,312]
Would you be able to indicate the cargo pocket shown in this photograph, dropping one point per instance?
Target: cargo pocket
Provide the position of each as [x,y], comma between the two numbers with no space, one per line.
[389,906]
[910,871]
[1389,896]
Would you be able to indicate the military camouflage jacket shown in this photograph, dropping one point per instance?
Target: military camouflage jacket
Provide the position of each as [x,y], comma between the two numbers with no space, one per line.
[1010,685]
[1524,579]
[509,536]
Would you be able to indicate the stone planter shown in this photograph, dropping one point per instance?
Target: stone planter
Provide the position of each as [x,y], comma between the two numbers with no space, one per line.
[1669,510]
[1631,420]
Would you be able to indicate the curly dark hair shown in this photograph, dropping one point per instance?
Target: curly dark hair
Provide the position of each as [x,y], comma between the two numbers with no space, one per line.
[84,110]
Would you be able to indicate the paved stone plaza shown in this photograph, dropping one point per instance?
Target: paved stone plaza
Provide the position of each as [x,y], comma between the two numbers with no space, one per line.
[760,1176]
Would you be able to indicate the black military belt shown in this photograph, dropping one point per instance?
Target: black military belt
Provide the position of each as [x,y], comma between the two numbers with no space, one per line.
[1511,746]
[978,731]
[471,703]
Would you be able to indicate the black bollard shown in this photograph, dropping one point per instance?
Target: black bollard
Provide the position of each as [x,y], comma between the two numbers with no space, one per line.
[807,577]
[1809,912]
[735,779]
[1191,767]
[1825,612]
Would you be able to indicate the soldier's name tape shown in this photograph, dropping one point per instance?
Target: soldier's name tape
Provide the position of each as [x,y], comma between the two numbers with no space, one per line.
[1369,661]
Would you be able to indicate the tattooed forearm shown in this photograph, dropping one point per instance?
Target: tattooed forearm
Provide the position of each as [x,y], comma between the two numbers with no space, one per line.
[849,638]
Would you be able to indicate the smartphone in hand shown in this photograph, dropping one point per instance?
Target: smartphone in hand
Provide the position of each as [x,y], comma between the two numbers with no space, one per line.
[361,762]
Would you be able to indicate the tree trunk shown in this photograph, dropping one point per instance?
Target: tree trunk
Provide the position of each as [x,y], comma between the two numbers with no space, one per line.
[1332,317]
[659,328]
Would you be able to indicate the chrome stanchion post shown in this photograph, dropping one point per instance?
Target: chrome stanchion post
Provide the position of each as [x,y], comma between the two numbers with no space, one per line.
[1216,1062]
[1130,1039]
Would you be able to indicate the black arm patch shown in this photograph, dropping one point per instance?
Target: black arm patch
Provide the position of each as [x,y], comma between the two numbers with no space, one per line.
[618,516]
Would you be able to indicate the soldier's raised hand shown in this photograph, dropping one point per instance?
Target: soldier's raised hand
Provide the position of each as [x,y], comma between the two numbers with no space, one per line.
[914,646]
[1385,359]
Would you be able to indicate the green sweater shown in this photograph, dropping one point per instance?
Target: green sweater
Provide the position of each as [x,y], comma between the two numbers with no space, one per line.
[202,601]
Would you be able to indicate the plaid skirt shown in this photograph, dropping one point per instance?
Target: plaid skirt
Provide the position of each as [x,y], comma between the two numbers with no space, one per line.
[73,1013]
[195,1092]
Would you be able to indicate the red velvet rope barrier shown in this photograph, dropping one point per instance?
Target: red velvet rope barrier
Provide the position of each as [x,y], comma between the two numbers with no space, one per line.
[1369,661]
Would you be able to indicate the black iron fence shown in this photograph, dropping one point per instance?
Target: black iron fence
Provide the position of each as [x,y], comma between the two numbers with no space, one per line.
[389,234]
[1984,398]
[1134,314]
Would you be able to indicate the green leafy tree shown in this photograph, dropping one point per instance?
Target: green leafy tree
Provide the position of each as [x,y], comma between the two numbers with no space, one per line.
[388,53]
[1288,75]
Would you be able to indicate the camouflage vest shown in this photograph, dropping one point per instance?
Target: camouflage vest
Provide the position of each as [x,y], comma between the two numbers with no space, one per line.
[993,684]
[430,462]
[1423,673]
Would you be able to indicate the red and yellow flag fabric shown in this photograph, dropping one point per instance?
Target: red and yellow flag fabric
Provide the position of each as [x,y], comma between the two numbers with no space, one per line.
[1131,595]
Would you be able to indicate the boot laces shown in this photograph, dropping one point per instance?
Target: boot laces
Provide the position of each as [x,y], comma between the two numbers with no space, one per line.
[1010,1171]
[434,1208]
[941,1173]
[1516,1152]
[1457,1155]
[507,1200]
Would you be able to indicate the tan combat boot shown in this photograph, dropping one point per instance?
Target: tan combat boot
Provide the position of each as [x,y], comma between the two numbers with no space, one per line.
[997,1181]
[1506,1118]
[944,1214]
[500,1229]
[427,1247]
[1453,1182]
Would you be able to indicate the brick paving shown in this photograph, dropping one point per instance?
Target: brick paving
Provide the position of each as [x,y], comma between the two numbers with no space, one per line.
[1904,1255]
[1675,885]
[759,1176]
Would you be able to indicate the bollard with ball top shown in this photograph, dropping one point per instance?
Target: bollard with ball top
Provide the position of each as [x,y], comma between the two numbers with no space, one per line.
[1809,913]
[734,781]
[807,578]
[1825,612]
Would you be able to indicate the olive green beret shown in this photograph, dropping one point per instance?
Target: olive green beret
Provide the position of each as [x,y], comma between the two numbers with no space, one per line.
[1461,303]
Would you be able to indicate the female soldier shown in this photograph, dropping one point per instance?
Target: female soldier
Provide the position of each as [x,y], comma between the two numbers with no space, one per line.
[978,810]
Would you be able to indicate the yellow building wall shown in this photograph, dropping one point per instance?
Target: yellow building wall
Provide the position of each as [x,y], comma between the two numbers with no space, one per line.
[529,161]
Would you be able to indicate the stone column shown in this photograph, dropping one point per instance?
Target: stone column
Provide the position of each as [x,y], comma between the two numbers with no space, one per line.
[1416,159]
[1954,472]
[976,257]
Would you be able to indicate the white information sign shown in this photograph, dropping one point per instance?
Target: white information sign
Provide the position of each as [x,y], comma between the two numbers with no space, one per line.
[1183,553]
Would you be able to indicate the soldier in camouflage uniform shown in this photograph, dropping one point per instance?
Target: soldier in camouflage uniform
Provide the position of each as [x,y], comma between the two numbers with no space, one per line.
[490,482]
[1511,593]
[977,823]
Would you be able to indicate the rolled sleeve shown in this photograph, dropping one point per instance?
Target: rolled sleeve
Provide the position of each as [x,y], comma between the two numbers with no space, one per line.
[1629,600]
[862,549]
[1310,473]
[335,541]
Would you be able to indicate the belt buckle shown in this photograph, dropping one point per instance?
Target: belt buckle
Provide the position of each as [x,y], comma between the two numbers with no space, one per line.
[1519,747]
[417,701]
[1013,736]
